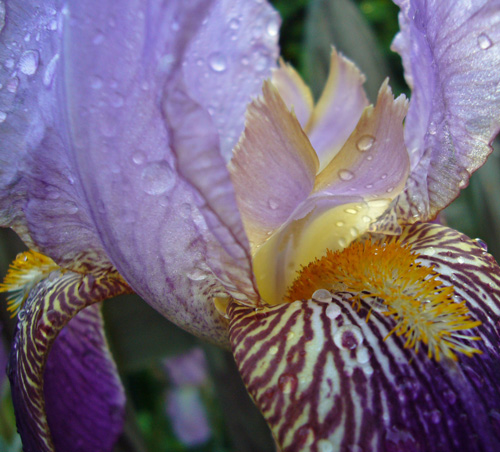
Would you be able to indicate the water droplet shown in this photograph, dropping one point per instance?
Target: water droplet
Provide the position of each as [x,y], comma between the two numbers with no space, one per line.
[348,337]
[234,23]
[332,311]
[273,204]
[71,208]
[366,219]
[351,211]
[481,243]
[322,295]
[95,82]
[390,189]
[325,446]
[273,350]
[305,436]
[432,128]
[290,335]
[3,116]
[484,41]
[197,275]
[362,355]
[245,61]
[157,178]
[12,85]
[50,70]
[139,158]
[365,143]
[217,62]
[27,37]
[461,260]
[262,63]
[272,27]
[346,174]
[384,176]
[287,383]
[28,63]
[354,231]
[342,243]
[339,224]
[52,26]
[98,39]
[2,15]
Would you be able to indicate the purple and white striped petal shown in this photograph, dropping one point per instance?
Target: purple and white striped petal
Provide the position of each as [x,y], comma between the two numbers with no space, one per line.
[451,56]
[83,391]
[327,379]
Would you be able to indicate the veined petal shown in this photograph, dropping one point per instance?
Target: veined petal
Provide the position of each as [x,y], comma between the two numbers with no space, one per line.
[275,158]
[373,163]
[338,110]
[296,94]
[148,149]
[39,185]
[326,378]
[451,57]
[52,303]
[84,398]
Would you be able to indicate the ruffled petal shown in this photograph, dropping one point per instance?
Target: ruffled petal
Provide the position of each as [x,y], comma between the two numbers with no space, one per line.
[39,185]
[81,355]
[451,58]
[148,148]
[227,60]
[338,110]
[296,94]
[373,163]
[274,158]
[327,379]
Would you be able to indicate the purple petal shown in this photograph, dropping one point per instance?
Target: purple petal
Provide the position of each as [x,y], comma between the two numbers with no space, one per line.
[295,93]
[39,185]
[338,110]
[275,159]
[48,309]
[451,57]
[84,398]
[325,378]
[147,145]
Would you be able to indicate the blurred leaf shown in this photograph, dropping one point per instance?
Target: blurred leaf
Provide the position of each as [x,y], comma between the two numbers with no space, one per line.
[247,428]
[340,23]
[139,335]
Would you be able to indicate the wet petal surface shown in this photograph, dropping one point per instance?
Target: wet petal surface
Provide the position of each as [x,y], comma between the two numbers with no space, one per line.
[47,311]
[327,379]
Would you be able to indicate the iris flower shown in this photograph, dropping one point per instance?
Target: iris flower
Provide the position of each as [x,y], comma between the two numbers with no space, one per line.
[159,147]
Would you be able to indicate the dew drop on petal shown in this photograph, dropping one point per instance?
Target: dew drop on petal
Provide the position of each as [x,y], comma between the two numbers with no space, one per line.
[332,311]
[325,446]
[339,224]
[354,231]
[351,211]
[50,70]
[139,158]
[157,178]
[305,436]
[28,63]
[322,295]
[481,243]
[365,143]
[197,275]
[366,219]
[346,174]
[348,337]
[3,116]
[234,23]
[2,15]
[273,204]
[287,383]
[342,243]
[484,42]
[96,82]
[273,350]
[217,62]
[272,27]
[12,85]
[384,176]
